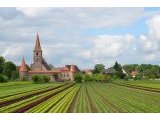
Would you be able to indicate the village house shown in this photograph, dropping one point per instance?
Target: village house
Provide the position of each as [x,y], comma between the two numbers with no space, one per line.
[41,67]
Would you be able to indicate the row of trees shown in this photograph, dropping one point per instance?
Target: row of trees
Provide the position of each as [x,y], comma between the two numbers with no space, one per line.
[81,77]
[8,70]
[145,71]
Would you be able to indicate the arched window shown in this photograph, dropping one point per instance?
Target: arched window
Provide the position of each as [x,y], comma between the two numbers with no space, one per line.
[36,53]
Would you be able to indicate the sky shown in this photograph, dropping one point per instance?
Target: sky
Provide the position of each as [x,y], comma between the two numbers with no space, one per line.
[82,36]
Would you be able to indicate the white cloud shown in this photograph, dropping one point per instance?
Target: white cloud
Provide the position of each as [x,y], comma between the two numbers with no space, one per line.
[150,57]
[110,46]
[150,43]
[154,27]
[63,38]
[33,12]
[12,51]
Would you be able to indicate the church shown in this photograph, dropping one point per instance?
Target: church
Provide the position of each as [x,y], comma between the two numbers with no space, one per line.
[40,67]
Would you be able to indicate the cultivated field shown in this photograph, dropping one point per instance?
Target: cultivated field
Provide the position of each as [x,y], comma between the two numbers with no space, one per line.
[91,97]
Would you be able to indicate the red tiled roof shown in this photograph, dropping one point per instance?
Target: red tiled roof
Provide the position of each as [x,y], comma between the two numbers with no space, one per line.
[23,66]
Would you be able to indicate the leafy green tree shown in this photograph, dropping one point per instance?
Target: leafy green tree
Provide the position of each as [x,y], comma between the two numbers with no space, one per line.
[2,61]
[119,73]
[14,75]
[8,68]
[28,68]
[78,77]
[87,78]
[99,69]
[3,78]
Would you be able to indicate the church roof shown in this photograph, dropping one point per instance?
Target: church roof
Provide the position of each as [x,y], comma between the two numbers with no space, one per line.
[38,45]
[73,68]
[23,66]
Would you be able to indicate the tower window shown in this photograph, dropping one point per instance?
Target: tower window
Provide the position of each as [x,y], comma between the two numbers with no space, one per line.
[37,53]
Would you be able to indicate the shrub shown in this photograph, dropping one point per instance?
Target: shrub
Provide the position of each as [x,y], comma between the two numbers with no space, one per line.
[40,79]
[3,78]
[46,78]
[24,78]
[78,77]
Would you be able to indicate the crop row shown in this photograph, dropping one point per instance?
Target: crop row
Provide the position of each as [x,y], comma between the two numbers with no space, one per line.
[91,97]
[20,89]
[15,107]
[139,87]
[131,100]
[58,103]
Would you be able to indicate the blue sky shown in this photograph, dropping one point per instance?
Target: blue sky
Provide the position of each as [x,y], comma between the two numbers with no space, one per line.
[82,36]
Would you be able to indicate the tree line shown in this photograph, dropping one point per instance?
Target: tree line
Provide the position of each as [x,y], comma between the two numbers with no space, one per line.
[143,72]
[8,70]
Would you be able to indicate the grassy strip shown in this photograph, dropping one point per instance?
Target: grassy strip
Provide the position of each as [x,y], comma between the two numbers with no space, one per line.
[26,90]
[14,83]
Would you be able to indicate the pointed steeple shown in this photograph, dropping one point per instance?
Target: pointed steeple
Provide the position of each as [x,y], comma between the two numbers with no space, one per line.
[38,45]
[23,66]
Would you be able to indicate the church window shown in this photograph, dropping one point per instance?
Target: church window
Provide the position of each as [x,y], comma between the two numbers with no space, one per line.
[37,53]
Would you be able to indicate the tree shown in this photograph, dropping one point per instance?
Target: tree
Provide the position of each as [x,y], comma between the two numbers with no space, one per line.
[8,68]
[15,75]
[28,68]
[99,68]
[3,78]
[87,78]
[2,61]
[119,73]
[78,77]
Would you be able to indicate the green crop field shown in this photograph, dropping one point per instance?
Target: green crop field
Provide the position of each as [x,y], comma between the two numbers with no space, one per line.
[91,97]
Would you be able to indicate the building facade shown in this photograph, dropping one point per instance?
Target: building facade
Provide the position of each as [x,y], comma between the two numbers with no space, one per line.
[40,67]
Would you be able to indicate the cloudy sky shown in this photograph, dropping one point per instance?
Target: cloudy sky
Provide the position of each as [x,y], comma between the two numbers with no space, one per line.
[82,36]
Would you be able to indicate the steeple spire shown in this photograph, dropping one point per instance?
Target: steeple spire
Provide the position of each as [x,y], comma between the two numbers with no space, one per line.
[38,45]
[23,66]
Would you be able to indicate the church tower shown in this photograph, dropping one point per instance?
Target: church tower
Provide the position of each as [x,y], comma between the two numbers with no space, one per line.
[37,56]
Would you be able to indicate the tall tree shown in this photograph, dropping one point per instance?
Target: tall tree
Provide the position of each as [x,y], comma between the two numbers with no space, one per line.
[8,69]
[2,61]
[119,73]
[99,68]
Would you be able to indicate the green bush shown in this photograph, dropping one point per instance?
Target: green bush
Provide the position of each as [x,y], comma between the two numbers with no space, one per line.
[3,78]
[78,77]
[40,79]
[24,78]
[46,78]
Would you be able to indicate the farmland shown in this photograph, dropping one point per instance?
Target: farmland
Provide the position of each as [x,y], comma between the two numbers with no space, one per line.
[90,97]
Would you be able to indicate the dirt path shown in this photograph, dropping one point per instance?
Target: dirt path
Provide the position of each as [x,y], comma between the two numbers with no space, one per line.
[29,106]
[8,102]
